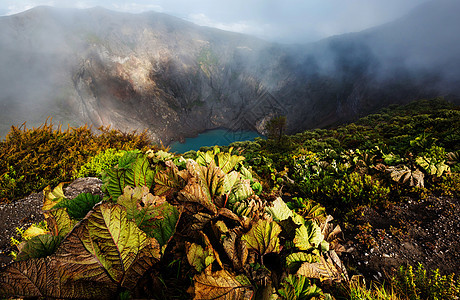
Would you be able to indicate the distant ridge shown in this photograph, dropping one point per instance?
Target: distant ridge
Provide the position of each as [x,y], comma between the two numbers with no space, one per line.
[176,79]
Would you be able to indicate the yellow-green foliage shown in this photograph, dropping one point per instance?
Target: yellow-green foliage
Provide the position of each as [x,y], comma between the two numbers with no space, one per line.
[102,161]
[357,188]
[417,284]
[31,159]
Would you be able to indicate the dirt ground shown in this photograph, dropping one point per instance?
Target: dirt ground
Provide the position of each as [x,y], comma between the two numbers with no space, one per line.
[24,212]
[425,231]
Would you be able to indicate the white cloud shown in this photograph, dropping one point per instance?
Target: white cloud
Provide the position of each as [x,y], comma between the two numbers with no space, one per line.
[247,27]
[137,7]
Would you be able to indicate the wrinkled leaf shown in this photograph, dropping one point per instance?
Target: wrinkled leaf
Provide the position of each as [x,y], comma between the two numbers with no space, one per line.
[52,197]
[308,236]
[279,210]
[152,214]
[59,222]
[298,287]
[198,257]
[329,268]
[222,285]
[236,250]
[295,260]
[78,207]
[39,246]
[168,181]
[263,237]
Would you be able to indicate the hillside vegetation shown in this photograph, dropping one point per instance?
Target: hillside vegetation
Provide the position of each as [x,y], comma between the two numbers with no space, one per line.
[258,219]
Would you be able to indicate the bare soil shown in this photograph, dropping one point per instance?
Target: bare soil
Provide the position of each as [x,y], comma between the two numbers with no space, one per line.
[416,231]
[22,213]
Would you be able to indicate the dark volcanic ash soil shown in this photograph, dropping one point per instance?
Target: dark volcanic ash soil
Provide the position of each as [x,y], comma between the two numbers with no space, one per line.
[425,231]
[24,212]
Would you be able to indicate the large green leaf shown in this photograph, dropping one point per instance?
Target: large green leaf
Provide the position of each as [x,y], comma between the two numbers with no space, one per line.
[169,181]
[263,237]
[279,210]
[222,285]
[298,287]
[224,160]
[78,207]
[432,166]
[112,239]
[308,236]
[39,246]
[295,260]
[133,169]
[241,190]
[102,253]
[59,222]
[52,197]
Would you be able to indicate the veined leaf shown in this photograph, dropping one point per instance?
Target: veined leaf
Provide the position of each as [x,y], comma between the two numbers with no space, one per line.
[32,231]
[106,238]
[329,268]
[432,166]
[198,257]
[295,260]
[39,246]
[52,197]
[78,207]
[403,174]
[43,278]
[169,181]
[204,184]
[241,190]
[222,285]
[235,249]
[163,229]
[133,169]
[298,287]
[263,237]
[59,222]
[308,236]
[226,161]
[279,210]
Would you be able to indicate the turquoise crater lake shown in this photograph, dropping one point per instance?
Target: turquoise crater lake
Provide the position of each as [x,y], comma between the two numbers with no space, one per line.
[220,137]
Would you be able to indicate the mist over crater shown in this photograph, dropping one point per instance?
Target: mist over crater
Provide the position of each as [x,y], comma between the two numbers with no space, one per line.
[176,79]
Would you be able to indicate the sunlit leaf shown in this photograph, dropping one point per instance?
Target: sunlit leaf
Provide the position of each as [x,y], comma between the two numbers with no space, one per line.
[222,285]
[52,197]
[279,210]
[298,287]
[263,237]
[59,222]
[32,231]
[308,236]
[295,260]
[329,268]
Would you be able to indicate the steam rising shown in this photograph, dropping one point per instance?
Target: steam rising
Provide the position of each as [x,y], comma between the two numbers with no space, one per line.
[153,71]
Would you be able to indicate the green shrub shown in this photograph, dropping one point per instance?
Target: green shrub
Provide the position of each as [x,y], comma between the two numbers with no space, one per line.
[31,159]
[357,189]
[421,284]
[102,161]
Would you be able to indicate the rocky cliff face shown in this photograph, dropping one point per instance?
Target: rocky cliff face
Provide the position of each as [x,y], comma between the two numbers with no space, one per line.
[156,72]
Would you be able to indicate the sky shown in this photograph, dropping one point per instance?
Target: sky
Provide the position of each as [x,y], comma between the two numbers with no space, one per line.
[285,21]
